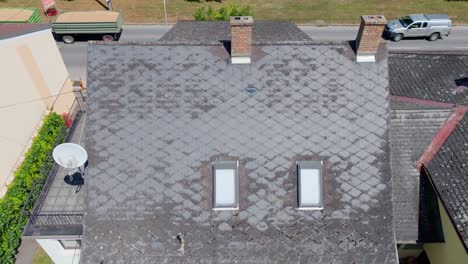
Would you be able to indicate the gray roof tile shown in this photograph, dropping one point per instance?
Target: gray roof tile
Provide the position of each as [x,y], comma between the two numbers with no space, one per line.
[411,132]
[216,31]
[436,77]
[449,174]
[155,118]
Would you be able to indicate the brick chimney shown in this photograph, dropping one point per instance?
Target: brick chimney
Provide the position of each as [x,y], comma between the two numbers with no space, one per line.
[369,37]
[241,39]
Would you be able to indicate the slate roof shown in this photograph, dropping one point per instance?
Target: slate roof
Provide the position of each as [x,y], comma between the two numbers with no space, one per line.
[160,114]
[449,174]
[216,31]
[436,77]
[411,131]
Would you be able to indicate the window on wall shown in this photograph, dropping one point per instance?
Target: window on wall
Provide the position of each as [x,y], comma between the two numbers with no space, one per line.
[225,185]
[309,185]
[70,244]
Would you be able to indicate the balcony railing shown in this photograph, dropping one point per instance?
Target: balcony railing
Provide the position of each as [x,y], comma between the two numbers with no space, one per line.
[44,219]
[56,218]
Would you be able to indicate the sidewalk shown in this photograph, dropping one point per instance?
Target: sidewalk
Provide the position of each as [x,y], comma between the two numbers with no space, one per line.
[26,251]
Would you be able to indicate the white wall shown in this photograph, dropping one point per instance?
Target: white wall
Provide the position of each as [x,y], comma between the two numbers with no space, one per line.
[31,68]
[54,249]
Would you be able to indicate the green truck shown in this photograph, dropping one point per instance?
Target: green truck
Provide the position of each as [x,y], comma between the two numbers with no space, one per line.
[105,25]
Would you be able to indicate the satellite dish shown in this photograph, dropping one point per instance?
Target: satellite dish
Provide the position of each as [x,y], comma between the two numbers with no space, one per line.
[70,155]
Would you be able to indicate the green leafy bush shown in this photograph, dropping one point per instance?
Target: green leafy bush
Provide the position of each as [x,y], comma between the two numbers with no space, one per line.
[34,169]
[221,14]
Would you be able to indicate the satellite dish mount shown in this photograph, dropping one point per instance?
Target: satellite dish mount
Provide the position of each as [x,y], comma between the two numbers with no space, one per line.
[70,156]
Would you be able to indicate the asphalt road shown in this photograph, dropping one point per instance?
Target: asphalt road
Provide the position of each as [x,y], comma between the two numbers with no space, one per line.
[457,40]
[74,55]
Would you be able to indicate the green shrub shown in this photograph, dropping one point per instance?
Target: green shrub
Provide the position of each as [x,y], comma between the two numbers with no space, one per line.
[221,14]
[34,169]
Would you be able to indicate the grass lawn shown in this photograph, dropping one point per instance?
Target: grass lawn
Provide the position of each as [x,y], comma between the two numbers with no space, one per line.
[299,11]
[41,257]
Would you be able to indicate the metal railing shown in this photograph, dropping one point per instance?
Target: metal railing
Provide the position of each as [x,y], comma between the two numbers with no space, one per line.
[56,218]
[43,219]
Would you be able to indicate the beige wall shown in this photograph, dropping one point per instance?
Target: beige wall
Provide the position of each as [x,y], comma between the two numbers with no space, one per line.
[32,74]
[452,251]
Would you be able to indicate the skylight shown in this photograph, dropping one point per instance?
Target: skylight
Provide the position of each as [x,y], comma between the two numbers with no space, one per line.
[309,185]
[225,181]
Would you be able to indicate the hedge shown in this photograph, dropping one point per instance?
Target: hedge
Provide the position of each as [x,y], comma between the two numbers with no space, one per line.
[221,14]
[28,181]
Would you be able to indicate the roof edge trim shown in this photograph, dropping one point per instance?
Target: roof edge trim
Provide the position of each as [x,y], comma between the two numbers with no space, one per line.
[442,135]
[420,101]
[31,28]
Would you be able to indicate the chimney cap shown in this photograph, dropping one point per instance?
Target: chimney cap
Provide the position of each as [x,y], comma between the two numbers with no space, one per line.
[241,20]
[374,19]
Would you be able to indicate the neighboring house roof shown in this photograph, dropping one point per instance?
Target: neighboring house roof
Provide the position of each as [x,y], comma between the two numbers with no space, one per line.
[435,84]
[441,78]
[14,30]
[430,222]
[449,174]
[216,31]
[411,131]
[160,114]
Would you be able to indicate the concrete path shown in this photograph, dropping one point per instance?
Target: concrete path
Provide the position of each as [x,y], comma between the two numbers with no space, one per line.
[26,251]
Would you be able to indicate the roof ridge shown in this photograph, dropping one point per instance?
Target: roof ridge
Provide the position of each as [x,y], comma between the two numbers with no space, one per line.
[444,132]
[420,101]
[422,111]
[218,43]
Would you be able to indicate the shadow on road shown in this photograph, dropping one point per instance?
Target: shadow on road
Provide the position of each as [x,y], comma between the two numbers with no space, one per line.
[385,37]
[83,37]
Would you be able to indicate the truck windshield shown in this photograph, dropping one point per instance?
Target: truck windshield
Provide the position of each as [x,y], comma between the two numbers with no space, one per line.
[406,20]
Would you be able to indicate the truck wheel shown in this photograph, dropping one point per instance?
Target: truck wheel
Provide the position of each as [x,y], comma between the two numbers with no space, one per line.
[397,37]
[68,39]
[108,38]
[434,36]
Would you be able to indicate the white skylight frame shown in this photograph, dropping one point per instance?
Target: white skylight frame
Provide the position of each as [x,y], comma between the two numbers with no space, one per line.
[309,185]
[225,185]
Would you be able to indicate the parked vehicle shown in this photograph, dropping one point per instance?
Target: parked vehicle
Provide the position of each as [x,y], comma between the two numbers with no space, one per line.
[105,25]
[432,27]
